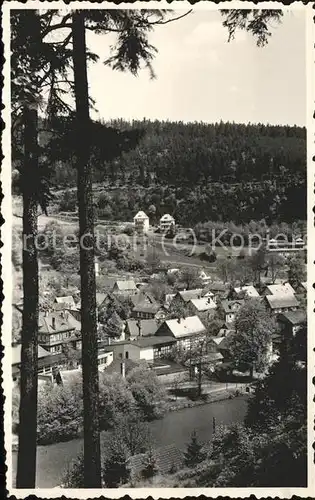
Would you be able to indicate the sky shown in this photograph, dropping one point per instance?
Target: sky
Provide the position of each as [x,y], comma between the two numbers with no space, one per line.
[200,76]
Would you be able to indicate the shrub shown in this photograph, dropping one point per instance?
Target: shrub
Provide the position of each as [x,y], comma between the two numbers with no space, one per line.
[115,399]
[74,474]
[60,412]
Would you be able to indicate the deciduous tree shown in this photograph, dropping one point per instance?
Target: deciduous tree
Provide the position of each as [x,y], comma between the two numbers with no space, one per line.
[251,343]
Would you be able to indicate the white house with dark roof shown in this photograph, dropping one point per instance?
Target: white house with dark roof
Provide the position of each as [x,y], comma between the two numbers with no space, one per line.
[184,330]
[141,222]
[166,221]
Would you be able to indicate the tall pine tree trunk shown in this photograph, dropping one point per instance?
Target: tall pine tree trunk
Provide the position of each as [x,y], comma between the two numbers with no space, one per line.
[92,462]
[26,466]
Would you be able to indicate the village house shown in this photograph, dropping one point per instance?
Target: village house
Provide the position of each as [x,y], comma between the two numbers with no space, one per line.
[204,304]
[284,289]
[127,287]
[143,297]
[184,330]
[105,357]
[141,328]
[207,362]
[66,302]
[148,311]
[166,221]
[206,278]
[221,345]
[231,308]
[185,296]
[143,348]
[218,289]
[141,223]
[292,320]
[277,304]
[46,361]
[58,328]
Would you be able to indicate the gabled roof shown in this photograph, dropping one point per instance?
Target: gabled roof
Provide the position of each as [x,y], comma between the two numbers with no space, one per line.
[115,318]
[167,217]
[280,301]
[147,327]
[283,290]
[67,300]
[168,458]
[62,323]
[188,295]
[231,305]
[16,353]
[293,317]
[141,215]
[304,284]
[125,285]
[204,304]
[142,297]
[249,290]
[220,342]
[185,327]
[73,321]
[217,286]
[100,297]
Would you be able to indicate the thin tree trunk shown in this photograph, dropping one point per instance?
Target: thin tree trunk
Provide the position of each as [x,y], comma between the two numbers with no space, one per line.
[92,460]
[26,466]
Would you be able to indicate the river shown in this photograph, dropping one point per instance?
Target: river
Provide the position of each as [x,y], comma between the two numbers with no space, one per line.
[175,427]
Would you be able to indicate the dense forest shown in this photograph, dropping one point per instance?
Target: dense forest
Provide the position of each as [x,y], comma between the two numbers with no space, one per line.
[201,172]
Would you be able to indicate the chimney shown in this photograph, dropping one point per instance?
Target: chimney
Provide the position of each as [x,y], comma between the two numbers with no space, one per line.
[139,328]
[123,369]
[53,321]
[178,320]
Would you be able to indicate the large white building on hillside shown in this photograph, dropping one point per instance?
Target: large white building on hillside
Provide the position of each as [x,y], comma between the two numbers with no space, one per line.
[166,221]
[141,222]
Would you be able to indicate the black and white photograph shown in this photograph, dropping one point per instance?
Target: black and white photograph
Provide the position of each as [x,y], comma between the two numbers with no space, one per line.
[157,258]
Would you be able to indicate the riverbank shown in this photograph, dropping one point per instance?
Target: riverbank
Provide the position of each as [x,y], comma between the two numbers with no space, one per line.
[213,396]
[181,403]
[174,428]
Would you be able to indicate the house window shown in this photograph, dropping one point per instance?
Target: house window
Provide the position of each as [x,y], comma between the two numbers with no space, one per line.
[127,354]
[120,355]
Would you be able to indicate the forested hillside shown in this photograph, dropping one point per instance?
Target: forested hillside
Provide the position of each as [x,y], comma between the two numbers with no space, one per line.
[201,172]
